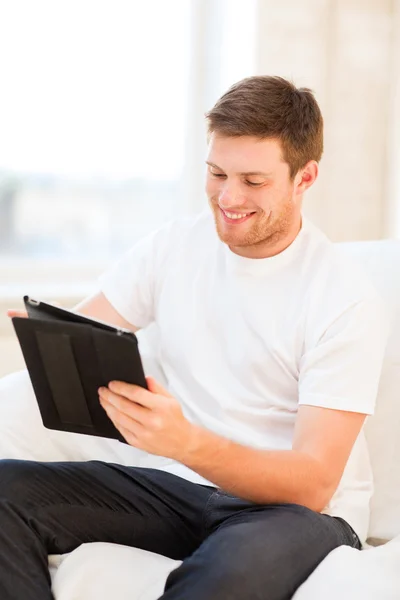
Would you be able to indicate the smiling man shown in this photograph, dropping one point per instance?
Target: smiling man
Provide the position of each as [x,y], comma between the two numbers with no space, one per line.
[255,212]
[271,343]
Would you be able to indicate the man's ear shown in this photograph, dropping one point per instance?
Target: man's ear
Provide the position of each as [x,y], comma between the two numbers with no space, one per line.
[305,177]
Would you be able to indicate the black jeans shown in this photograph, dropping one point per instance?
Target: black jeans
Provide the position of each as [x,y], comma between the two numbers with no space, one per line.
[231,548]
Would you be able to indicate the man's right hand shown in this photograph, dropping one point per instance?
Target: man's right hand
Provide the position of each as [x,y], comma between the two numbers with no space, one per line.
[15,312]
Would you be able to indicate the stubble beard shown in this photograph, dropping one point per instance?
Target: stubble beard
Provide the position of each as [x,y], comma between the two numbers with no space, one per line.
[264,229]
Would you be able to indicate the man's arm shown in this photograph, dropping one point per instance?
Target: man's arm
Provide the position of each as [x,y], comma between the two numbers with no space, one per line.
[308,474]
[98,307]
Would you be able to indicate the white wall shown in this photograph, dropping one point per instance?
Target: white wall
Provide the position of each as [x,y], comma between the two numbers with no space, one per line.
[392,216]
[344,50]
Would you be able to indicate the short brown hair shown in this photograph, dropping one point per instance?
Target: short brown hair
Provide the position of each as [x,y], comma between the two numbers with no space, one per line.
[272,107]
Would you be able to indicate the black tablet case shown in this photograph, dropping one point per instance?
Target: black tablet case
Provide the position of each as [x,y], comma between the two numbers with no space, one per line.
[68,361]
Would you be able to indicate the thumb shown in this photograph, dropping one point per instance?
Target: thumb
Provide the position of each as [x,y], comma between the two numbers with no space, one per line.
[156,388]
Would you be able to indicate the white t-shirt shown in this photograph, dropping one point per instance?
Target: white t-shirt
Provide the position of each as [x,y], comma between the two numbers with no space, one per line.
[242,342]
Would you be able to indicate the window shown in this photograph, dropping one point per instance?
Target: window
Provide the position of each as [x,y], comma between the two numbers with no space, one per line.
[100,103]
[92,123]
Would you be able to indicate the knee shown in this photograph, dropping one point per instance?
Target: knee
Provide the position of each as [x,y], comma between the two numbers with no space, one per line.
[237,570]
[219,579]
[16,477]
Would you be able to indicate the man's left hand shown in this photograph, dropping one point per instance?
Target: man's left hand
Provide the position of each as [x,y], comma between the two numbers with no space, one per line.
[151,420]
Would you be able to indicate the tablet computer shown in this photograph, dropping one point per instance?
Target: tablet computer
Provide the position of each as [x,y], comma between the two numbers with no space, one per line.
[68,357]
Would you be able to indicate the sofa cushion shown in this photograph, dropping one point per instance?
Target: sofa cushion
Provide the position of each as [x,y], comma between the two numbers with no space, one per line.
[347,573]
[100,571]
[381,260]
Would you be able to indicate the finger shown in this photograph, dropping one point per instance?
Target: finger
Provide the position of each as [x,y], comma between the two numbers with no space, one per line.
[123,405]
[130,437]
[127,427]
[133,392]
[14,312]
[119,418]
[156,388]
[118,422]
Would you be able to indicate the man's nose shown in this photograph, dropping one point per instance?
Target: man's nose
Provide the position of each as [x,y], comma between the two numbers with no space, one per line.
[230,195]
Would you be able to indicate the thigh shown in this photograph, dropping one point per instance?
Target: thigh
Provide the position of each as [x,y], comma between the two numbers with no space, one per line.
[258,553]
[70,503]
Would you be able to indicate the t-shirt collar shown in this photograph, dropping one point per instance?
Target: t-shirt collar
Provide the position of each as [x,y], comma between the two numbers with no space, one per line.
[262,266]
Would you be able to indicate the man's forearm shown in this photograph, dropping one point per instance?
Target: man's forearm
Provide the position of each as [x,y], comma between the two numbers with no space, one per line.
[262,476]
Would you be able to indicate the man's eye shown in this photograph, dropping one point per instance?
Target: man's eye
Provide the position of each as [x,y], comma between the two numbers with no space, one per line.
[219,175]
[254,183]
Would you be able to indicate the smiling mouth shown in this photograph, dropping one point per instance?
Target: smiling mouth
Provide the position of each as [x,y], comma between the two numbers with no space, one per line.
[235,218]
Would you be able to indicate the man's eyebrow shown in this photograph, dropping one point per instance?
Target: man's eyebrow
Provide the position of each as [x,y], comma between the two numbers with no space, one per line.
[246,174]
[259,173]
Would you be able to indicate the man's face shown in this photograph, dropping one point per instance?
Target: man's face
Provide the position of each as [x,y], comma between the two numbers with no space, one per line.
[250,193]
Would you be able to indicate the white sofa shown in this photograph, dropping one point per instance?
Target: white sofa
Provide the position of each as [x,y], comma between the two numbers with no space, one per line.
[101,571]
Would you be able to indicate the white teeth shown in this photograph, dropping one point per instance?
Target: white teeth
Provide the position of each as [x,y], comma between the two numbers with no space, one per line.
[235,215]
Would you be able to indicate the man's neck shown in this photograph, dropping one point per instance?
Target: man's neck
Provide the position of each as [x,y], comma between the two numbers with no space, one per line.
[270,247]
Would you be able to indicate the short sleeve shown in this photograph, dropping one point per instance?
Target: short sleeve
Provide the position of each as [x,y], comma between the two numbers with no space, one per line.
[129,283]
[342,370]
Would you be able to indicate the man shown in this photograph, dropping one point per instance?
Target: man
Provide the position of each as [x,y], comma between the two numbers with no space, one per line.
[272,346]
